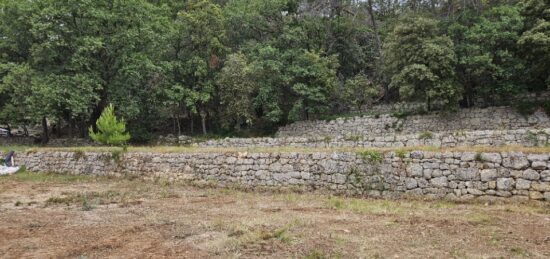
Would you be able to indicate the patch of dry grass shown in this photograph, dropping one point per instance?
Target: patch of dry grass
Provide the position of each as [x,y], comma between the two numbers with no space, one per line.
[186,149]
[133,218]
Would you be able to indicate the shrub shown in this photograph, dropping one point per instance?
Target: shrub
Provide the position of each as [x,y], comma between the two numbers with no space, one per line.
[426,135]
[401,153]
[478,157]
[371,156]
[110,130]
[401,114]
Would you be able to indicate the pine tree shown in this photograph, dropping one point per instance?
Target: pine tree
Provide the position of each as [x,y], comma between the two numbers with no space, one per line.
[110,130]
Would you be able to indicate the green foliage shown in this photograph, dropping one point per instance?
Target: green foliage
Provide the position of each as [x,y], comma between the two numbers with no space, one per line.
[526,108]
[488,63]
[426,135]
[234,80]
[354,138]
[401,114]
[371,156]
[78,154]
[116,155]
[248,67]
[110,131]
[360,91]
[199,35]
[478,157]
[535,41]
[420,62]
[401,153]
[313,82]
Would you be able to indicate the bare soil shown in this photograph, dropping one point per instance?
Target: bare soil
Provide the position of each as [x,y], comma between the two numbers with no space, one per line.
[58,216]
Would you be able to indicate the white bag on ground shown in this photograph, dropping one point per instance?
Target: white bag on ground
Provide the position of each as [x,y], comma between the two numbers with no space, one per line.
[6,170]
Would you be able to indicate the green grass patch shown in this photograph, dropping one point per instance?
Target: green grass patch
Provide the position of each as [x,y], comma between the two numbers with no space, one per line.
[401,153]
[26,176]
[315,254]
[379,207]
[4,149]
[87,199]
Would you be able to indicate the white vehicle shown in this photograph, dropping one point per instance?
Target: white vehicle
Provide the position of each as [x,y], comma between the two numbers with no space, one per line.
[4,132]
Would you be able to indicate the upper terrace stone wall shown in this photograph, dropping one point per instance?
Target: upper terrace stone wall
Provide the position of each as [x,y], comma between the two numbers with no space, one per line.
[518,137]
[494,118]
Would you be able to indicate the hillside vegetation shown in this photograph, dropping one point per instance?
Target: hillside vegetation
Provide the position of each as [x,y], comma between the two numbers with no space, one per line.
[246,67]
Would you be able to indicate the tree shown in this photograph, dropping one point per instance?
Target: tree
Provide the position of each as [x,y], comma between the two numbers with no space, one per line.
[202,34]
[236,90]
[420,62]
[89,53]
[488,64]
[313,81]
[535,41]
[360,91]
[110,131]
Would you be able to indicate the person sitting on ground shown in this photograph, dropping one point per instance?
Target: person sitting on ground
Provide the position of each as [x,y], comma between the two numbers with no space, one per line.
[8,160]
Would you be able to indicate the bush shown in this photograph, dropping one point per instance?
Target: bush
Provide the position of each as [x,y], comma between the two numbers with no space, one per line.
[426,135]
[110,130]
[371,156]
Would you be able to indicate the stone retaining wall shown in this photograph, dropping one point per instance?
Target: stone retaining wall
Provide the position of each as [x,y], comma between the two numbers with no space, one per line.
[430,174]
[520,137]
[495,118]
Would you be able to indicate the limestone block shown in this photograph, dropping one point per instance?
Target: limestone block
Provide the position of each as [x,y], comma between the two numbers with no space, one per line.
[515,161]
[468,156]
[530,174]
[522,184]
[467,174]
[439,182]
[539,165]
[534,195]
[488,175]
[545,175]
[505,184]
[542,187]
[414,170]
[411,183]
[491,157]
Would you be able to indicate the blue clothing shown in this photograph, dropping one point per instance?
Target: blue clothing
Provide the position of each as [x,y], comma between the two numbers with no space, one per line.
[7,159]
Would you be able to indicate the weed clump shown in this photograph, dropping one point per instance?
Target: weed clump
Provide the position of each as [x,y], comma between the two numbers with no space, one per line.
[401,153]
[78,154]
[426,135]
[478,157]
[371,156]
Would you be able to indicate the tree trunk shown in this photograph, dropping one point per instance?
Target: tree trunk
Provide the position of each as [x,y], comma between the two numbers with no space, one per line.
[25,130]
[45,134]
[9,130]
[370,10]
[203,123]
[191,124]
[203,115]
[178,124]
[58,128]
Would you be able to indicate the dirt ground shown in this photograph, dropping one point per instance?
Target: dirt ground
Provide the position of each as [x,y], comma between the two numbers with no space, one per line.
[59,216]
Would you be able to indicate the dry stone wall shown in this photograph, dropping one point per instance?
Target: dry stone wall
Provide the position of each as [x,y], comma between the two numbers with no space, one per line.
[520,137]
[393,174]
[495,118]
